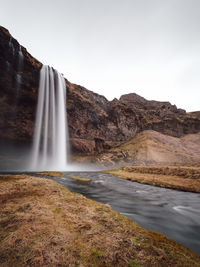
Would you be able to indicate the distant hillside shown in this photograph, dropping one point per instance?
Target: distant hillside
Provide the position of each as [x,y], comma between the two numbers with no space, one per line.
[151,147]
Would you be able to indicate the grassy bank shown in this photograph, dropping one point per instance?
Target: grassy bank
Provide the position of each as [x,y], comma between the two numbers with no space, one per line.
[44,224]
[180,178]
[51,174]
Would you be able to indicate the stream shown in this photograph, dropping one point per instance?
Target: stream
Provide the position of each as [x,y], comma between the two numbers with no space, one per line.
[174,213]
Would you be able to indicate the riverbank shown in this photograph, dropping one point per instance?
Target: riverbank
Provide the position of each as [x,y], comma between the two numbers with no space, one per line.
[179,178]
[44,224]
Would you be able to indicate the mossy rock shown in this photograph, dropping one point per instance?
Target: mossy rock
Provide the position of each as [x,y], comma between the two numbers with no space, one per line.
[82,179]
[52,174]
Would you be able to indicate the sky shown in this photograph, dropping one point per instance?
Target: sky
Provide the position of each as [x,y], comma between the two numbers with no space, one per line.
[115,47]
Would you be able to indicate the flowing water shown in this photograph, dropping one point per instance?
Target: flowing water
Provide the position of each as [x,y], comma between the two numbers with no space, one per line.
[18,59]
[11,46]
[50,136]
[16,53]
[20,68]
[173,213]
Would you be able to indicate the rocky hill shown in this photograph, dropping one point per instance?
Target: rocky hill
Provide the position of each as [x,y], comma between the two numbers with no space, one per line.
[151,147]
[95,124]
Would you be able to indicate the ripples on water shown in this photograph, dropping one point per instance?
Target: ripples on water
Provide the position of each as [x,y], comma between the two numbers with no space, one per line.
[173,213]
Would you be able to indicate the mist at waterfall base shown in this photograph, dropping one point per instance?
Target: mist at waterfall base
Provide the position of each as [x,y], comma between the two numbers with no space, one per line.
[49,150]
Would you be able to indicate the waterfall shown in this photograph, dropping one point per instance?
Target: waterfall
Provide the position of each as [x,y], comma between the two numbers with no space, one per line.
[11,46]
[49,150]
[18,76]
[20,68]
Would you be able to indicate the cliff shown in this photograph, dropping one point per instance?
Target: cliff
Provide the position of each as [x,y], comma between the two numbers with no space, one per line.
[95,124]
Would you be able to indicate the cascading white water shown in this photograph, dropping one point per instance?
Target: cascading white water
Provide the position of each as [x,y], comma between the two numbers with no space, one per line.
[49,150]
[20,68]
[11,46]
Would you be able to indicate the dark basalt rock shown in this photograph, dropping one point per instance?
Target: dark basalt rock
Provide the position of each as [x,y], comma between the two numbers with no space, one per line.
[95,124]
[18,90]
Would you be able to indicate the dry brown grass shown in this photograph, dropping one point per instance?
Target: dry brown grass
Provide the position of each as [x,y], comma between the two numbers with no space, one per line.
[44,224]
[180,171]
[180,178]
[52,174]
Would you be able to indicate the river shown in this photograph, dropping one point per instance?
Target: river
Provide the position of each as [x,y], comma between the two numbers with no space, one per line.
[174,213]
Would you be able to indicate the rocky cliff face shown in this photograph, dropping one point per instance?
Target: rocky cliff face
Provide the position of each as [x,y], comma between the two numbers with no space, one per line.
[19,73]
[95,124]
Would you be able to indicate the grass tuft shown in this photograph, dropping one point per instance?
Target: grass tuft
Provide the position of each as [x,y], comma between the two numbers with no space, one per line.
[52,174]
[134,263]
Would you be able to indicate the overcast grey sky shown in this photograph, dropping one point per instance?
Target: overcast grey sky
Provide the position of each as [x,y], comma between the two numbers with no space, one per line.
[114,47]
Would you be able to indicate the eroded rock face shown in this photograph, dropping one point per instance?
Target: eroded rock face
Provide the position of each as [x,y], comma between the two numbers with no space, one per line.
[18,89]
[95,124]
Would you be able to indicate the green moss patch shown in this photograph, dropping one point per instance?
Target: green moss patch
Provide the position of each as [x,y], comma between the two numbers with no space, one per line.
[82,179]
[52,174]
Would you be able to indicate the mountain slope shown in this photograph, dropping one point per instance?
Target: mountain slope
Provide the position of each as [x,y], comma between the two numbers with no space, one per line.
[151,147]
